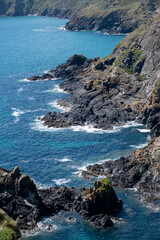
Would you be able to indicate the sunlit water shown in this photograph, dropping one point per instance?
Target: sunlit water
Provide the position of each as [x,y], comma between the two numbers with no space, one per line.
[29,46]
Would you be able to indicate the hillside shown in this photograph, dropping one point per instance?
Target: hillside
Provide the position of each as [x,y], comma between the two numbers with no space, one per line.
[111,15]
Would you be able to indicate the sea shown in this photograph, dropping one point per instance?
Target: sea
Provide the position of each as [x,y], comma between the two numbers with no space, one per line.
[56,157]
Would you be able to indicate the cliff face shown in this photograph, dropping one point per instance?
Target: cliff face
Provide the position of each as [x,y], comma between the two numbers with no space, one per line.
[111,15]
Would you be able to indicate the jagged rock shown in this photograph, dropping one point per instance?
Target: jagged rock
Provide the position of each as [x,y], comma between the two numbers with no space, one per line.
[26,204]
[140,170]
[76,60]
[100,66]
[43,77]
[139,65]
[109,61]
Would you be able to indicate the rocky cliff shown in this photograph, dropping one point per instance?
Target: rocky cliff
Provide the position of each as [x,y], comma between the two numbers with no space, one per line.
[111,15]
[124,86]
[121,87]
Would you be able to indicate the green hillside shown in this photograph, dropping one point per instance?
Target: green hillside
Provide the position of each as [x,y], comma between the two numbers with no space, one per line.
[85,14]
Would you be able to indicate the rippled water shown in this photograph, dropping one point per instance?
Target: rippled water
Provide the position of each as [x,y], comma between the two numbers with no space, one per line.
[29,46]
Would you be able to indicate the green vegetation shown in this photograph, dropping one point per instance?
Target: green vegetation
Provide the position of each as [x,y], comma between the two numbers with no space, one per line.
[134,10]
[6,234]
[7,226]
[130,55]
[104,184]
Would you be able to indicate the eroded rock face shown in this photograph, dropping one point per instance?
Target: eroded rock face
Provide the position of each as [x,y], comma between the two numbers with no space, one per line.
[19,198]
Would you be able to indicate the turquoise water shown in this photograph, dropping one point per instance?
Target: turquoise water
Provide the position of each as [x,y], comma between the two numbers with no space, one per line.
[29,46]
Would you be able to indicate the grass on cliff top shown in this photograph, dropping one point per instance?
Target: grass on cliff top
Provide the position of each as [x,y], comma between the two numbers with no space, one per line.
[104,184]
[7,226]
[87,8]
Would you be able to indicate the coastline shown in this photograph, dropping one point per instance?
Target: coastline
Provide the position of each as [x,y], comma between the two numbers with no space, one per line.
[147,114]
[92,100]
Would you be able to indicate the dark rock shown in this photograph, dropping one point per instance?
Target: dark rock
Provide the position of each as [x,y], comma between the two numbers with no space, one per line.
[43,77]
[139,65]
[76,60]
[109,61]
[106,222]
[101,221]
[100,66]
[140,170]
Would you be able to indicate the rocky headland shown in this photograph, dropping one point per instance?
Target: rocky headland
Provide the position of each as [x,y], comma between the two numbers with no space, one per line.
[124,86]
[111,91]
[26,205]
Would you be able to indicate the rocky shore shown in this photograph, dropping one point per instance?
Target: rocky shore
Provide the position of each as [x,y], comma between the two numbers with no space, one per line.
[139,171]
[125,86]
[111,91]
[26,205]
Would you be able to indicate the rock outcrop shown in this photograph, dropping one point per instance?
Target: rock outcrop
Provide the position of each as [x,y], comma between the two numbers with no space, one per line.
[19,198]
[140,171]
[26,204]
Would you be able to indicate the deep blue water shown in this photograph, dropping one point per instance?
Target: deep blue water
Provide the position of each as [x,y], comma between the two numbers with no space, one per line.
[29,46]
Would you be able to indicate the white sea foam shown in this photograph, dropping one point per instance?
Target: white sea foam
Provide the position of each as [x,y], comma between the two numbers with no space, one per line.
[46,225]
[65,160]
[16,113]
[24,80]
[144,130]
[91,129]
[38,125]
[20,90]
[139,146]
[153,207]
[56,89]
[46,71]
[56,105]
[87,128]
[62,28]
[130,124]
[84,168]
[61,181]
[41,185]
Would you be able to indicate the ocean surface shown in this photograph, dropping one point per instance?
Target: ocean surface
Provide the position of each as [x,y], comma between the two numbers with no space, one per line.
[30,46]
